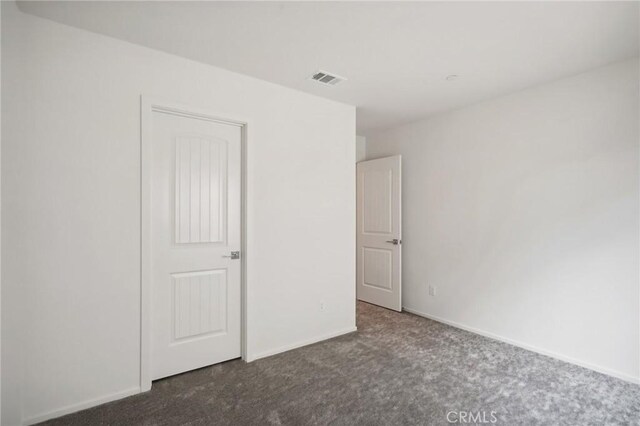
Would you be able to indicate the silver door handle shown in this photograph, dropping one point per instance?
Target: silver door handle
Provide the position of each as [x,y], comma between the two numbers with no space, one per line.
[234,255]
[395,241]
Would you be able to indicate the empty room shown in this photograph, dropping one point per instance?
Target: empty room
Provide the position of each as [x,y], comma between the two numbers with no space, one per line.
[319,213]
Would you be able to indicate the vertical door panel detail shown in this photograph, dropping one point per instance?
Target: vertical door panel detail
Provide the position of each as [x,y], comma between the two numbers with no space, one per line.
[200,182]
[200,303]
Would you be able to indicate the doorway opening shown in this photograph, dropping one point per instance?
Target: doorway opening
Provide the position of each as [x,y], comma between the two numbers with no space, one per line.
[379,232]
[193,239]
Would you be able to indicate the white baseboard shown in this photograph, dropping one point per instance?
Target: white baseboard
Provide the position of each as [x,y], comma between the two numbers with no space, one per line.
[300,344]
[123,394]
[132,391]
[80,406]
[599,369]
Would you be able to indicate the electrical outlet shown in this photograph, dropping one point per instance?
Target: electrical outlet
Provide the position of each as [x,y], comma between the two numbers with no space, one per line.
[322,306]
[432,290]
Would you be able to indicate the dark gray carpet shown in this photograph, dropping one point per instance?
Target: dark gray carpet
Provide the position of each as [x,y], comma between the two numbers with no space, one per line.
[398,369]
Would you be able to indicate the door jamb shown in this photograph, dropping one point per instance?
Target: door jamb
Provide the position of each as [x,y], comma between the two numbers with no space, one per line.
[149,105]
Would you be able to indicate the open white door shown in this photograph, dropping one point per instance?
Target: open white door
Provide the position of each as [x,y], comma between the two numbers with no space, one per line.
[194,237]
[379,234]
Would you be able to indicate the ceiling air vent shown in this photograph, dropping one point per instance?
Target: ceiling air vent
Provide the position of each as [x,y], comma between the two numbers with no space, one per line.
[326,78]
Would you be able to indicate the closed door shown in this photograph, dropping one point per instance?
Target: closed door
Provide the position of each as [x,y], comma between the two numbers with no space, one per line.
[195,226]
[379,237]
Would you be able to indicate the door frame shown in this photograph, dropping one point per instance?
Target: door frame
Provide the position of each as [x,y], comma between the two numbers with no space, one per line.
[149,105]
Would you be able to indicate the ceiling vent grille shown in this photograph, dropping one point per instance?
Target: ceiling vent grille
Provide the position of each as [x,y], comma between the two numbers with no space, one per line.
[327,78]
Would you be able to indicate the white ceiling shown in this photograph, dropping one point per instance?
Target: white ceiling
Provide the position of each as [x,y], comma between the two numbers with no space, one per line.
[395,55]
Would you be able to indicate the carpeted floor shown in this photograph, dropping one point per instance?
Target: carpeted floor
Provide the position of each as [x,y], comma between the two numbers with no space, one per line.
[398,369]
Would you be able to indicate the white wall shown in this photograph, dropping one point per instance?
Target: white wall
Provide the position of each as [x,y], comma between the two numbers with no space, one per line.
[0,222]
[523,212]
[361,148]
[71,200]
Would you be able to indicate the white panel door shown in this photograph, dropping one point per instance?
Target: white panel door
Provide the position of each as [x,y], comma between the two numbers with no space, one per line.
[195,225]
[379,236]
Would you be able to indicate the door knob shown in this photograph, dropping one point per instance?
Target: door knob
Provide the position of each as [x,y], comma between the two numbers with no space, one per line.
[234,255]
[395,241]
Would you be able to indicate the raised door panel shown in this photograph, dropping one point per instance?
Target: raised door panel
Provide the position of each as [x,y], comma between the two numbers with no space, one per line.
[377,268]
[377,202]
[199,303]
[200,190]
